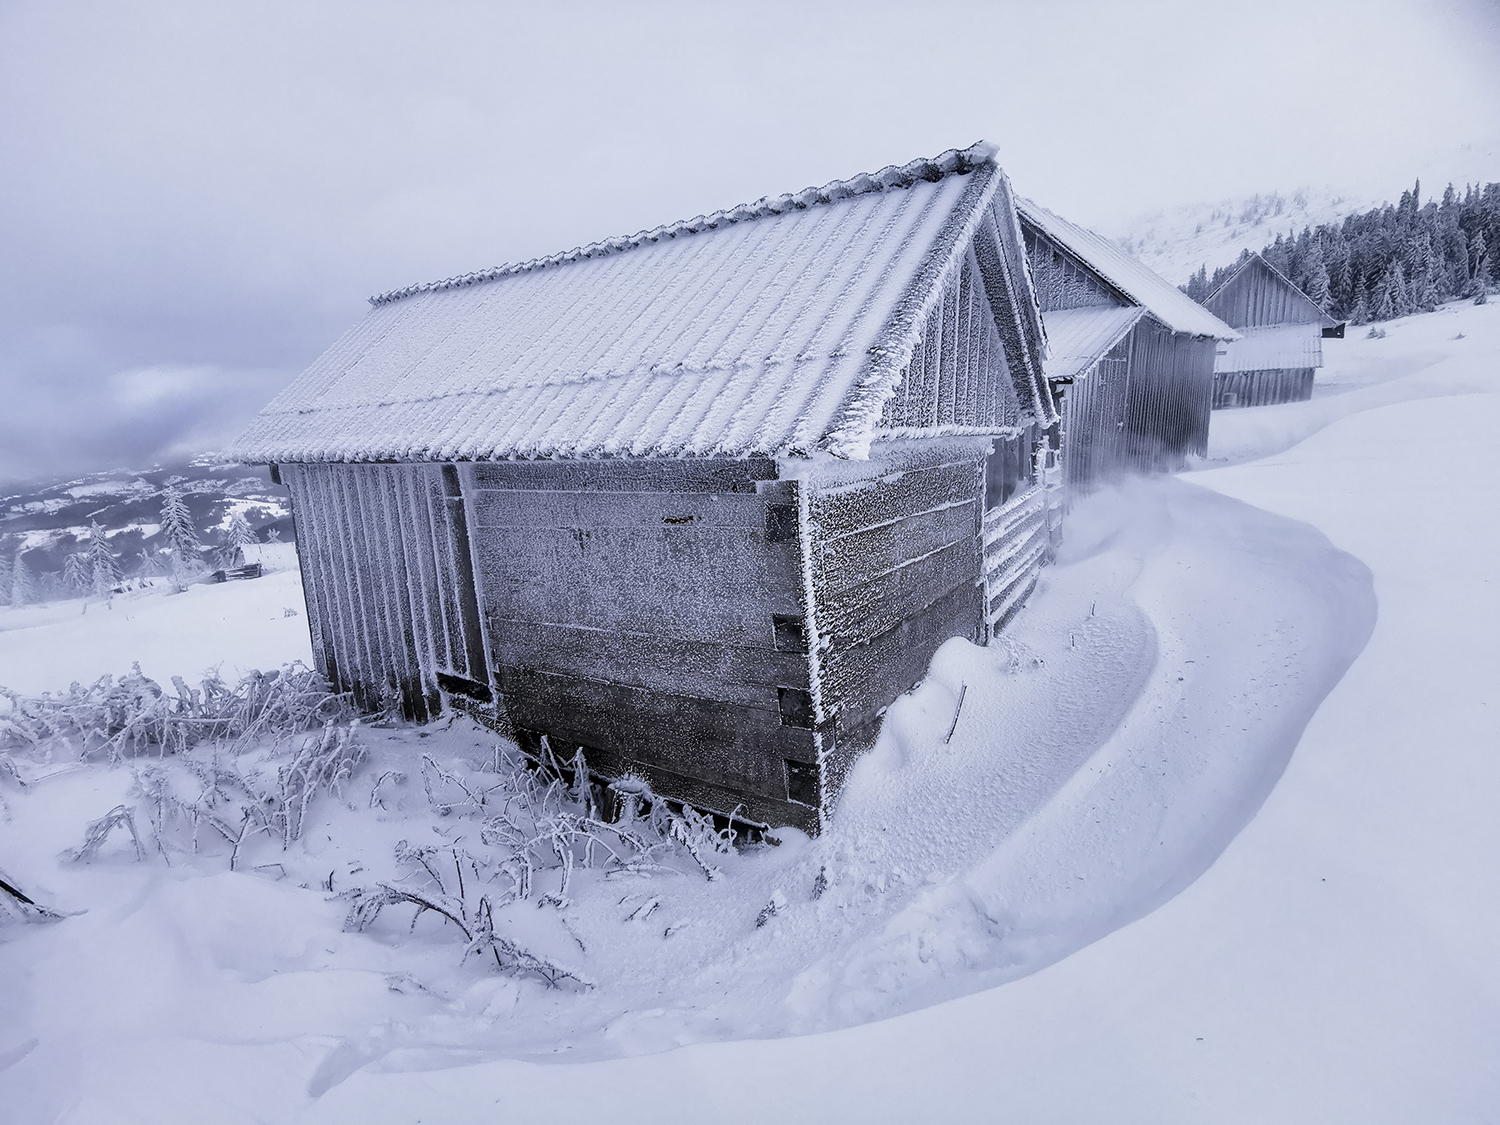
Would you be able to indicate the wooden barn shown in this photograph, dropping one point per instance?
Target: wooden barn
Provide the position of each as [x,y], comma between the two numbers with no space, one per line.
[1281,345]
[703,500]
[1132,357]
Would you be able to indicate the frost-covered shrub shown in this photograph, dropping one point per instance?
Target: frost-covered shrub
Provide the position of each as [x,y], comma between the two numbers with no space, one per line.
[132,714]
[238,795]
[534,819]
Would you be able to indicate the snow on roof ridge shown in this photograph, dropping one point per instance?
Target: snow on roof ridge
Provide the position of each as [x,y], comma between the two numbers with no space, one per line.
[951,162]
[1132,278]
[1257,256]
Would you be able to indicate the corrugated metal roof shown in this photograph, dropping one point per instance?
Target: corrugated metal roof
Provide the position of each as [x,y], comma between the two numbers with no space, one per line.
[1134,280]
[1272,348]
[1078,337]
[777,327]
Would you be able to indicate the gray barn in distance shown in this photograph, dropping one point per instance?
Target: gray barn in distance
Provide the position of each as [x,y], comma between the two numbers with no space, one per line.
[1282,337]
[1132,356]
[701,501]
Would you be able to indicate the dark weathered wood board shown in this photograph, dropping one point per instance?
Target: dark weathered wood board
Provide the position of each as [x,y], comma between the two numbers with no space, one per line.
[1263,388]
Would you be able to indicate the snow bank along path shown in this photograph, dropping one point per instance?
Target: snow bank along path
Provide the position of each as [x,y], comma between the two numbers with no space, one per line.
[1137,717]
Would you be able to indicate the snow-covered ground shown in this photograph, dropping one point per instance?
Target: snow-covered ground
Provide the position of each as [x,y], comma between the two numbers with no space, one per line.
[1213,840]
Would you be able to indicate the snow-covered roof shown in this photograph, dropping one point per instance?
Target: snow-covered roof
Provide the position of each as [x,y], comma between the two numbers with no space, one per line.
[1136,282]
[1078,337]
[779,326]
[1271,348]
[1257,294]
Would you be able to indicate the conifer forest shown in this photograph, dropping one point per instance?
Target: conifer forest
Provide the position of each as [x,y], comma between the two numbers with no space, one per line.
[1388,261]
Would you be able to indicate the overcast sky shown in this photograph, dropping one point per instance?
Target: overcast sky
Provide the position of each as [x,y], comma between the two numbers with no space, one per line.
[196,198]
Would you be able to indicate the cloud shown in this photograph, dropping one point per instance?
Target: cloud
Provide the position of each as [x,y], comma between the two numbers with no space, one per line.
[148,387]
[196,198]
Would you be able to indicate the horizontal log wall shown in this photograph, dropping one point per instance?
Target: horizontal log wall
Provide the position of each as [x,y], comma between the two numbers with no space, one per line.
[651,613]
[1263,388]
[896,572]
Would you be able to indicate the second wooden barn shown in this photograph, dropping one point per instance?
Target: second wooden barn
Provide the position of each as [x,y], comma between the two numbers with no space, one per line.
[1282,331]
[1132,356]
[701,501]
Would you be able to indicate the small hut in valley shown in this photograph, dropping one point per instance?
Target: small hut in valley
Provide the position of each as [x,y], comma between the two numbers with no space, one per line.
[1132,356]
[1282,337]
[701,501]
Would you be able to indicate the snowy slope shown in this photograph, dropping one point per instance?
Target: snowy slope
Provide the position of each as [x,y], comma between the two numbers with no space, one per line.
[1176,241]
[1186,919]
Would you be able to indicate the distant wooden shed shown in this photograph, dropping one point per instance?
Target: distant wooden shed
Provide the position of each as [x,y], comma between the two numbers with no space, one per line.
[1131,355]
[1282,331]
[703,500]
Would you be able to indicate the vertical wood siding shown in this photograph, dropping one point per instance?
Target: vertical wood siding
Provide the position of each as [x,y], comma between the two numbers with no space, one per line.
[1257,297]
[1061,281]
[960,373]
[1143,407]
[1262,388]
[383,564]
[1170,398]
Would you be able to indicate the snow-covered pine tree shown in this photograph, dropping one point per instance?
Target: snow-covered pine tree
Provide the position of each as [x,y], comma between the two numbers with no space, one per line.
[1359,305]
[1318,283]
[104,567]
[22,586]
[77,572]
[4,576]
[180,534]
[237,536]
[1478,253]
[1405,305]
[1425,295]
[1384,305]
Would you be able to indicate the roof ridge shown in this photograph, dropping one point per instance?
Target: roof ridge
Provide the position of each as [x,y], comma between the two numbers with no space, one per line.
[1257,256]
[951,162]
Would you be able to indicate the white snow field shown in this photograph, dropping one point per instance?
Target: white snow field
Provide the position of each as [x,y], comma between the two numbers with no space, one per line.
[1214,839]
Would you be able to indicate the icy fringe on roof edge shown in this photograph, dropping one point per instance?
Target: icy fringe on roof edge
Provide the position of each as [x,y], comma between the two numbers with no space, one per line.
[948,163]
[857,426]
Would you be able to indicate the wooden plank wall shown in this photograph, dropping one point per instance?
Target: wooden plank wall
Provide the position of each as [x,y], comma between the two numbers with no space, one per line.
[1018,542]
[1170,398]
[651,613]
[1257,297]
[896,572]
[1263,388]
[384,566]
[1062,282]
[1093,423]
[1144,407]
[959,374]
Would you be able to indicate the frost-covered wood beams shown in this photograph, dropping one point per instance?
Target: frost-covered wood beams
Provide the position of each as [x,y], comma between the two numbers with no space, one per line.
[896,572]
[644,611]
